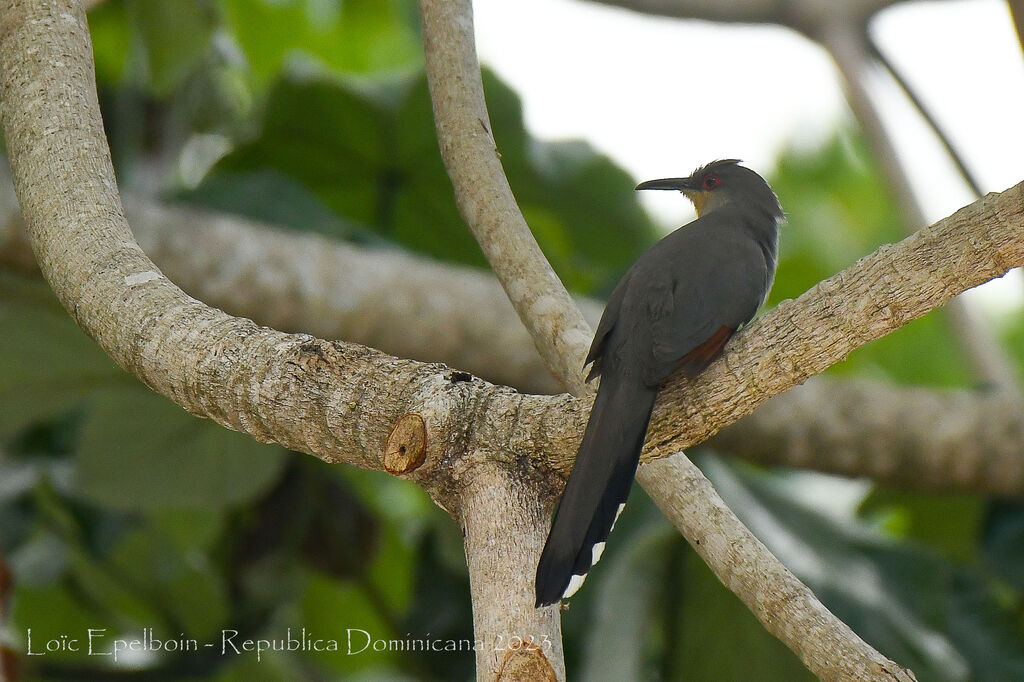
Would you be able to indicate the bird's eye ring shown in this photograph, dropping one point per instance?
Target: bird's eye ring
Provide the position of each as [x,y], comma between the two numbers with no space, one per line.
[711,181]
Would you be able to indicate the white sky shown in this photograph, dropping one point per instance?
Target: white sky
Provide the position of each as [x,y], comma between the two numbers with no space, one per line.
[663,96]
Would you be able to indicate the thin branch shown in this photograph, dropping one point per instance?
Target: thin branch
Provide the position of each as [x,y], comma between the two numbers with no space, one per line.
[982,350]
[927,115]
[783,604]
[1017,14]
[556,326]
[849,51]
[485,199]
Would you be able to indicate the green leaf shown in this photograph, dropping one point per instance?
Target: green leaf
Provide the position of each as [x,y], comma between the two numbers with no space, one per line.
[893,595]
[189,529]
[721,639]
[624,601]
[111,40]
[373,160]
[355,36]
[184,587]
[333,140]
[172,36]
[424,218]
[986,632]
[41,559]
[605,230]
[392,571]
[98,584]
[395,501]
[51,612]
[271,196]
[946,522]
[47,364]
[345,612]
[141,451]
[272,669]
[1002,541]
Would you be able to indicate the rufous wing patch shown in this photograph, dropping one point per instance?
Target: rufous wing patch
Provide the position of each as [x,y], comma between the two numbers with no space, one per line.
[698,359]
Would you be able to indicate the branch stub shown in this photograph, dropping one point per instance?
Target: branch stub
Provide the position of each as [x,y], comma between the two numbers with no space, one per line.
[526,663]
[406,446]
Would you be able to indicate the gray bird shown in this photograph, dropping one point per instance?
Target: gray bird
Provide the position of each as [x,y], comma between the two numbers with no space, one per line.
[674,310]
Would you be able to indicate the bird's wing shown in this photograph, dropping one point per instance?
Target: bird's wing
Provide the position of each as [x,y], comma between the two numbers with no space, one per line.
[712,294]
[608,321]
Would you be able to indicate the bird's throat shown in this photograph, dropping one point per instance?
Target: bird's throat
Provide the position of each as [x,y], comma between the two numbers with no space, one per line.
[699,199]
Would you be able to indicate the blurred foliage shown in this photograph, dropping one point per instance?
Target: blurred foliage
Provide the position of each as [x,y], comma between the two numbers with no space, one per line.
[121,512]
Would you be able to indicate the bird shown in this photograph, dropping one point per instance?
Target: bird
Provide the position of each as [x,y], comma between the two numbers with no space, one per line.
[673,311]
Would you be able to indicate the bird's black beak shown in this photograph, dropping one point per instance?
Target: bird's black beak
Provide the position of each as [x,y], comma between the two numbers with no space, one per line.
[678,184]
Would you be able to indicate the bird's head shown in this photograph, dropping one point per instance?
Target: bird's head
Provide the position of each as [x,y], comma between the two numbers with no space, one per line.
[720,183]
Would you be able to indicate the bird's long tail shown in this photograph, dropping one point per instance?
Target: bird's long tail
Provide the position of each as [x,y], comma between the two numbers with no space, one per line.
[598,486]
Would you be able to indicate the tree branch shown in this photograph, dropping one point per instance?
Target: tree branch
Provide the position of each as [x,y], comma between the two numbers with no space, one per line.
[505,524]
[939,440]
[485,199]
[926,114]
[784,605]
[805,16]
[894,434]
[1017,14]
[326,399]
[556,326]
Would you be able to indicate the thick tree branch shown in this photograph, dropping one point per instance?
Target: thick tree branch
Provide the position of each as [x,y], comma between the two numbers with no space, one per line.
[505,520]
[893,434]
[324,398]
[930,439]
[806,16]
[404,305]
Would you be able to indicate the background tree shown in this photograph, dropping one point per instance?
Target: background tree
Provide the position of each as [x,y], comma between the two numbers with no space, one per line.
[121,511]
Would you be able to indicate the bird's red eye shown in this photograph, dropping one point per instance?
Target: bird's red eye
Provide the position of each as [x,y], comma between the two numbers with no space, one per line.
[711,181]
